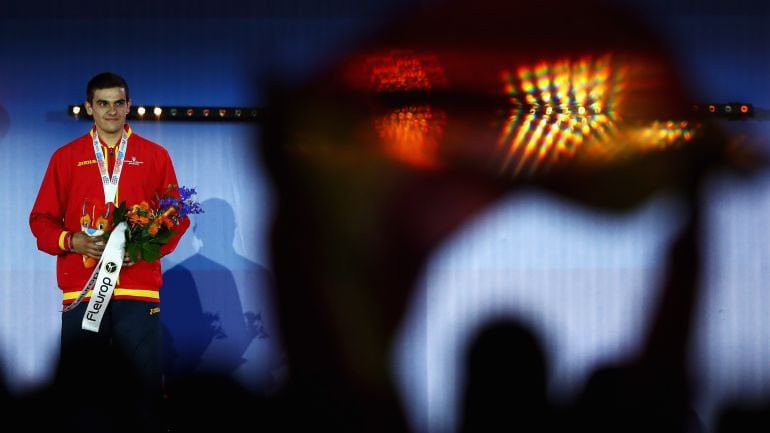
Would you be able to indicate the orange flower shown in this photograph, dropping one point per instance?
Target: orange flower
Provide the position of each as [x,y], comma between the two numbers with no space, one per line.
[167,222]
[138,219]
[143,206]
[153,229]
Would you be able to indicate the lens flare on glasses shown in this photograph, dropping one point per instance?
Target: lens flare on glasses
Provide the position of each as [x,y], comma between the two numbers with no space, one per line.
[409,132]
[402,71]
[573,110]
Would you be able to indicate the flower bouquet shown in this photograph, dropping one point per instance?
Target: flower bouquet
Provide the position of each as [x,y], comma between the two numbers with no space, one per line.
[151,224]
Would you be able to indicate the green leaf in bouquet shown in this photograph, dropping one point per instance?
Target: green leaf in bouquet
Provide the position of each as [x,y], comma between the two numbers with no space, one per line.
[118,216]
[120,213]
[133,249]
[150,252]
[163,237]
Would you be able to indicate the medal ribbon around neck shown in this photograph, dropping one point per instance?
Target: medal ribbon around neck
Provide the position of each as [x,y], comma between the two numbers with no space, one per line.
[110,184]
[108,268]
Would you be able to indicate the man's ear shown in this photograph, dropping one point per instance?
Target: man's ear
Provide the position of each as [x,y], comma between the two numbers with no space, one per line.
[89,108]
[128,105]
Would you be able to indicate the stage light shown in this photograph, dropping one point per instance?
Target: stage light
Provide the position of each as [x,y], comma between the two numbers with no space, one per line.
[141,110]
[76,110]
[746,110]
[157,111]
[735,110]
[173,112]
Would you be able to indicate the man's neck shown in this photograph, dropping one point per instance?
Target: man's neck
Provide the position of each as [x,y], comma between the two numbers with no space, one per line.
[110,139]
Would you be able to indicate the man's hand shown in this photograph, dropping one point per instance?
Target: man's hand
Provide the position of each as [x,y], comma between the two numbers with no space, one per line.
[127,261]
[86,245]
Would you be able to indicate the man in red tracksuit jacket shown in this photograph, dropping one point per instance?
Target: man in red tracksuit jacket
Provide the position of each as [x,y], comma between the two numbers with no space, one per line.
[127,345]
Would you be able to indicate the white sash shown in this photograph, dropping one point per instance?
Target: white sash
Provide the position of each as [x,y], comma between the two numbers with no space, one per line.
[104,283]
[89,285]
[105,274]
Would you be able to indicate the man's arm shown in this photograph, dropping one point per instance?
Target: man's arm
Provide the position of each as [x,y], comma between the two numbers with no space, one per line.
[47,216]
[169,178]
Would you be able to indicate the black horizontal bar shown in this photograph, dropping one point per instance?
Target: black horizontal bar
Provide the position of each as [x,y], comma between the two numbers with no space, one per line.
[182,113]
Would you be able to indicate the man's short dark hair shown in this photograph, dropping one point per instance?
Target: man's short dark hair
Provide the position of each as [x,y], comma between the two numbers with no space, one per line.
[105,80]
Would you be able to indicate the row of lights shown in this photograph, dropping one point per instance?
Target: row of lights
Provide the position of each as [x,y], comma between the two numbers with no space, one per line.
[732,110]
[569,110]
[141,112]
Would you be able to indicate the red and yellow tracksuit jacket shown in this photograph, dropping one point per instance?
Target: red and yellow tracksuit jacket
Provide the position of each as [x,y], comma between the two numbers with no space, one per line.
[73,177]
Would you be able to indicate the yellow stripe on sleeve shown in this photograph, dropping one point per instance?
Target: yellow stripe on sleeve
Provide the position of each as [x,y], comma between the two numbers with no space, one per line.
[63,236]
[72,295]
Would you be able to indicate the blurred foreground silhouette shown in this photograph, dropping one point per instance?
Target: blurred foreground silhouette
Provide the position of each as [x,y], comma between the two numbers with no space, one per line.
[382,157]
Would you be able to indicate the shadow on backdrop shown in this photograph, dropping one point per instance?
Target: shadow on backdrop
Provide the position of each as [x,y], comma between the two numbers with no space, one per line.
[218,321]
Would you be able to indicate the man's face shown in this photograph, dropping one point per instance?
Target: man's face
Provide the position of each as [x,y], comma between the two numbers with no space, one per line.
[109,109]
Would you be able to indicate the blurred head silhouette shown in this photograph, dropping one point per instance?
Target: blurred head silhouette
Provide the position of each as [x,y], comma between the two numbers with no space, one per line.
[505,383]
